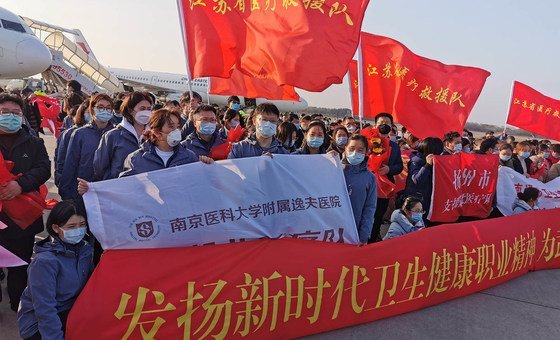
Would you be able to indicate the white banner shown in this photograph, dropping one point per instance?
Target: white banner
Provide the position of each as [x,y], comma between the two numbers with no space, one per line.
[510,182]
[228,201]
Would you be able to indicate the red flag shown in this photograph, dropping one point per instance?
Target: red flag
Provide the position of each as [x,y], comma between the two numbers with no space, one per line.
[535,112]
[240,84]
[464,185]
[354,86]
[426,96]
[304,43]
[49,109]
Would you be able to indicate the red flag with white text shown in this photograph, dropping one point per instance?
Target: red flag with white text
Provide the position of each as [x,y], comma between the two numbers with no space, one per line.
[426,96]
[304,43]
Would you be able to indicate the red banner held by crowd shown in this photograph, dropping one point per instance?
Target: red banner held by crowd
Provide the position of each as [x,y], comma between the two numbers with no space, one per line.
[426,96]
[463,185]
[532,111]
[241,85]
[306,44]
[291,288]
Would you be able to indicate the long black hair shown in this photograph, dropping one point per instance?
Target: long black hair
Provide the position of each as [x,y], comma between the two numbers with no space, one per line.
[62,212]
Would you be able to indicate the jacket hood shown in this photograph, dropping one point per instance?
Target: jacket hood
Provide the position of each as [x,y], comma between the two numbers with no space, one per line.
[353,169]
[398,217]
[521,204]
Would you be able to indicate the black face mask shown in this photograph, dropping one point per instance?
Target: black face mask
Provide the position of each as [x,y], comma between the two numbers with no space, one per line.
[384,129]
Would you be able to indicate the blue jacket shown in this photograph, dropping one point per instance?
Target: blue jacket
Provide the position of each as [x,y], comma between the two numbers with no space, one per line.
[56,276]
[520,206]
[187,129]
[146,159]
[395,162]
[79,158]
[223,133]
[60,152]
[67,122]
[419,181]
[251,148]
[199,146]
[115,146]
[362,189]
[400,225]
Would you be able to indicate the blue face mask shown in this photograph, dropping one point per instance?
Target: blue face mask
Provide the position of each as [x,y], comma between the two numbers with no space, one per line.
[505,158]
[74,236]
[118,115]
[266,129]
[103,115]
[234,124]
[236,106]
[525,155]
[355,158]
[207,128]
[468,150]
[87,117]
[10,122]
[546,155]
[416,217]
[458,147]
[298,126]
[341,141]
[315,142]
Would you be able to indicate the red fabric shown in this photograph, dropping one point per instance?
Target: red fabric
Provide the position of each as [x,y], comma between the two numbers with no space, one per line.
[49,109]
[396,80]
[464,185]
[532,111]
[241,85]
[381,152]
[400,179]
[354,87]
[306,44]
[191,291]
[221,151]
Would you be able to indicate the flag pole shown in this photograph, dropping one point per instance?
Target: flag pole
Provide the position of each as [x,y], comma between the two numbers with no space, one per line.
[509,107]
[208,89]
[185,44]
[360,84]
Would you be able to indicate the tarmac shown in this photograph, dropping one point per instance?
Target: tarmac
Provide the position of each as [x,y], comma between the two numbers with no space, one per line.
[525,308]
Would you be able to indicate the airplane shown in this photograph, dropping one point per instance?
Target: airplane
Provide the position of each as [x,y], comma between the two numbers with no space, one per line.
[22,54]
[173,85]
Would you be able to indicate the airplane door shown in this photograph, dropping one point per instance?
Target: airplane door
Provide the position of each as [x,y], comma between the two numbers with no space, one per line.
[154,80]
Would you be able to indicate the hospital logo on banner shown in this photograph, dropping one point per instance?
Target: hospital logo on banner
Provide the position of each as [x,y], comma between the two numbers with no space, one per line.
[144,228]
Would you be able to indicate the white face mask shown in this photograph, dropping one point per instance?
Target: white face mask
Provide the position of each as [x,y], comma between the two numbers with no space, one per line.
[142,117]
[174,138]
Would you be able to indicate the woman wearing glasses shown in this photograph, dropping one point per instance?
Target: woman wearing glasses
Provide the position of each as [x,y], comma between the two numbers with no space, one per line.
[82,145]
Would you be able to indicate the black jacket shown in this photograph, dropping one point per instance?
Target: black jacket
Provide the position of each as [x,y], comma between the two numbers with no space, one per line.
[31,159]
[517,164]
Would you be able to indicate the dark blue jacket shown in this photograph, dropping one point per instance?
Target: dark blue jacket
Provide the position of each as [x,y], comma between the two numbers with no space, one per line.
[187,129]
[419,180]
[362,189]
[395,162]
[146,159]
[79,158]
[251,148]
[115,146]
[199,146]
[56,276]
[67,122]
[60,152]
[223,133]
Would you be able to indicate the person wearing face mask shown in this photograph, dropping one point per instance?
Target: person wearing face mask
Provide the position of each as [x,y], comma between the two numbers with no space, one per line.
[62,264]
[232,119]
[124,139]
[339,140]
[234,103]
[505,154]
[452,143]
[302,128]
[419,181]
[554,171]
[162,149]
[361,185]
[206,136]
[526,200]
[286,134]
[541,163]
[64,138]
[406,220]
[314,140]
[350,124]
[383,123]
[262,142]
[521,159]
[467,145]
[83,142]
[30,158]
[117,115]
[488,147]
[188,106]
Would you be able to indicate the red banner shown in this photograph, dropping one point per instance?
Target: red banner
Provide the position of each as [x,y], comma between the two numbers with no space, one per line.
[410,86]
[241,85]
[532,111]
[49,108]
[291,288]
[304,43]
[354,87]
[463,185]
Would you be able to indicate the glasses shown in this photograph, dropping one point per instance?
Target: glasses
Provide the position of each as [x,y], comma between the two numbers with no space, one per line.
[6,112]
[103,108]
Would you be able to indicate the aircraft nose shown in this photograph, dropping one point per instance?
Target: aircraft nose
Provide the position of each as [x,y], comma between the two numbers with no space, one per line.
[33,56]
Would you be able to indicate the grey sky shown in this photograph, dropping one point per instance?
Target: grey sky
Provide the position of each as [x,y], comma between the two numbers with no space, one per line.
[514,40]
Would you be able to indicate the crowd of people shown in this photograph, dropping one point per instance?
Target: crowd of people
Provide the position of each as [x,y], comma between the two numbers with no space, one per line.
[105,137]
